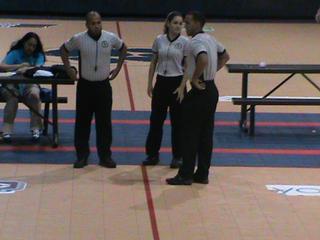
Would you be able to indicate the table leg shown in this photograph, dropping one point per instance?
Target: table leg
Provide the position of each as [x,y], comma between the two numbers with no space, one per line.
[244,94]
[55,116]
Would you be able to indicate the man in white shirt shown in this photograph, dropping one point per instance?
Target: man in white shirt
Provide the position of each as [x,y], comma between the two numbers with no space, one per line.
[205,57]
[94,92]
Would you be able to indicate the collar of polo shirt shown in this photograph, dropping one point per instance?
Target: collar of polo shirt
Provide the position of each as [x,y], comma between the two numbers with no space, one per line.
[172,39]
[96,38]
[197,33]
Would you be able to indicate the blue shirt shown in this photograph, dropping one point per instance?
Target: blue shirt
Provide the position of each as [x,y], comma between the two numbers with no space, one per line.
[18,56]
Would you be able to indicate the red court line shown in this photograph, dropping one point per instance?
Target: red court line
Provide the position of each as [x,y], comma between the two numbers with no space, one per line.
[118,29]
[289,124]
[268,151]
[168,150]
[152,214]
[167,122]
[126,73]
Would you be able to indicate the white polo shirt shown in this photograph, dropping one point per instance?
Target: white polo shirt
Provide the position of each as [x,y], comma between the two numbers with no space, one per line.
[95,56]
[200,43]
[170,55]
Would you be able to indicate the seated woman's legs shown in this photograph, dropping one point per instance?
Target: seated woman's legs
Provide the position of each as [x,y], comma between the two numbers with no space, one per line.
[31,95]
[10,109]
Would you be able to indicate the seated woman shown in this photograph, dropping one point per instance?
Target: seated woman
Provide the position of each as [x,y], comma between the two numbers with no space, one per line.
[26,52]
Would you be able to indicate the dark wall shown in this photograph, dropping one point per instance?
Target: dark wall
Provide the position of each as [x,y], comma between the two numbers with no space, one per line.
[272,9]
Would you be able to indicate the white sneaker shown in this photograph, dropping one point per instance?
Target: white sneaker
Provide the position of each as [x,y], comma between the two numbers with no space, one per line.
[6,137]
[35,134]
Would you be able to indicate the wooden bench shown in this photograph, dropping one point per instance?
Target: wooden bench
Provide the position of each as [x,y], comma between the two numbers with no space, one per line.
[253,102]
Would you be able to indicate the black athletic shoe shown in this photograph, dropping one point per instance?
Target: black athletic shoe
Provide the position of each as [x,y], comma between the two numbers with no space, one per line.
[6,137]
[178,180]
[108,163]
[80,163]
[200,180]
[151,161]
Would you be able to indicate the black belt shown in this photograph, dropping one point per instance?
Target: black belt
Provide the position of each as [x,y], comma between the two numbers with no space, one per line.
[208,82]
[83,80]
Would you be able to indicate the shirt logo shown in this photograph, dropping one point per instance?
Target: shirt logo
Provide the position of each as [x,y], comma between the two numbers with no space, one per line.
[104,44]
[7,187]
[178,46]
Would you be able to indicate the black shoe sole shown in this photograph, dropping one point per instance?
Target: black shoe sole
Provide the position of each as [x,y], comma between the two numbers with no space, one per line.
[200,180]
[107,166]
[150,162]
[181,183]
[79,166]
[205,181]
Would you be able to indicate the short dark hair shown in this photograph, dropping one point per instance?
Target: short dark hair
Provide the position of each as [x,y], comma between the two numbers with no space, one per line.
[90,14]
[198,17]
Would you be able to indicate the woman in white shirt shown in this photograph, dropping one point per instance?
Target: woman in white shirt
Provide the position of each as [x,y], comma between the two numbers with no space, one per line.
[169,51]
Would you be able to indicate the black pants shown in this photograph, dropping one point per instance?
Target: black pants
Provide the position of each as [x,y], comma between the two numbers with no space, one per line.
[93,98]
[198,109]
[162,99]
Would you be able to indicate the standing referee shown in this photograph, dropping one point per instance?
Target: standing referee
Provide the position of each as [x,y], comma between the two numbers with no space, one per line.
[168,58]
[94,92]
[205,57]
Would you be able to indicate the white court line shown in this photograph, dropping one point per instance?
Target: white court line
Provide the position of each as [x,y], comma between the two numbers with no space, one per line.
[228,98]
